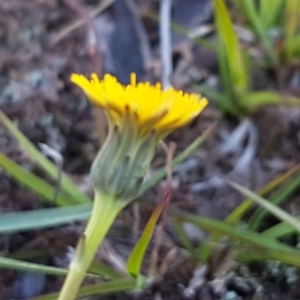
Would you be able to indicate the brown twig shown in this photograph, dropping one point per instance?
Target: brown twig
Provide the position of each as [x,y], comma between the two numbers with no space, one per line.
[77,24]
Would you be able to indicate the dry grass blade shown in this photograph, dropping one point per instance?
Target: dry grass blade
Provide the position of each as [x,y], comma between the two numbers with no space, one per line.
[71,27]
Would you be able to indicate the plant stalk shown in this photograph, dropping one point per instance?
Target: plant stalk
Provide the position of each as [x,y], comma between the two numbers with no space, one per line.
[104,212]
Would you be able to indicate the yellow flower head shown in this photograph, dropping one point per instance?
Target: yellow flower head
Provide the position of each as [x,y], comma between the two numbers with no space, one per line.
[140,115]
[147,105]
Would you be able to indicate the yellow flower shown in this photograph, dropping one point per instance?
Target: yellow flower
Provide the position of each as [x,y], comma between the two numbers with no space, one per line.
[147,105]
[140,115]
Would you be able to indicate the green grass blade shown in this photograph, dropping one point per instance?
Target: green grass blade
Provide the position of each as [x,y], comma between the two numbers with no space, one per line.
[240,235]
[243,237]
[110,287]
[252,15]
[229,39]
[97,269]
[101,269]
[255,100]
[33,182]
[136,257]
[281,195]
[117,285]
[13,264]
[271,208]
[279,230]
[292,15]
[269,13]
[286,257]
[51,169]
[42,218]
[226,80]
[292,48]
[237,214]
[291,28]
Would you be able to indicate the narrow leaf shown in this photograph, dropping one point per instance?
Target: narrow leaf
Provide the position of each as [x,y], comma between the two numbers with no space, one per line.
[135,259]
[250,10]
[101,269]
[13,264]
[290,258]
[33,182]
[279,230]
[50,168]
[274,210]
[236,215]
[241,235]
[230,41]
[255,100]
[114,286]
[269,14]
[19,265]
[42,218]
[281,195]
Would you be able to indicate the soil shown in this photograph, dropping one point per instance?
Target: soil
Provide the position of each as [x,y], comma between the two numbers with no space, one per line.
[39,49]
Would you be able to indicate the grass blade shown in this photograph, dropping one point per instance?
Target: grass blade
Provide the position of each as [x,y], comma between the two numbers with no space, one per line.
[114,286]
[51,169]
[252,14]
[240,235]
[13,264]
[255,100]
[279,230]
[236,215]
[292,14]
[293,47]
[97,268]
[263,247]
[101,269]
[226,81]
[42,218]
[136,257]
[271,208]
[277,199]
[290,257]
[269,14]
[33,182]
[229,39]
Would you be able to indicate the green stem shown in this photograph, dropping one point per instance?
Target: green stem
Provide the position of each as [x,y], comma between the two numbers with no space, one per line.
[104,212]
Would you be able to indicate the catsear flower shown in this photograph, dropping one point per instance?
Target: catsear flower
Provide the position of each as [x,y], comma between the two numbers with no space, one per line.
[140,114]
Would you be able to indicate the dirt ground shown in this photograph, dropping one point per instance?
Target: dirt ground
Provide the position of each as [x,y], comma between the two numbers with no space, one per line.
[41,43]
